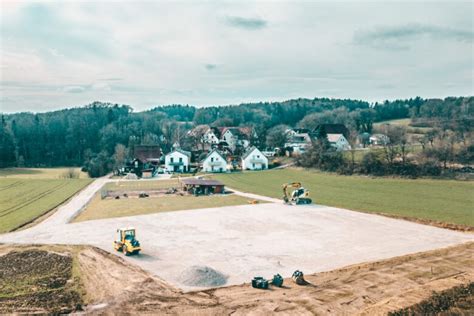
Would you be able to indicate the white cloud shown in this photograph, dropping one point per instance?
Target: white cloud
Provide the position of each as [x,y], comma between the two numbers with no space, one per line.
[150,53]
[74,89]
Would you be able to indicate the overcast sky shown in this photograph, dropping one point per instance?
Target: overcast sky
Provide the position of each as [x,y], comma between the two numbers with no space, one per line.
[146,54]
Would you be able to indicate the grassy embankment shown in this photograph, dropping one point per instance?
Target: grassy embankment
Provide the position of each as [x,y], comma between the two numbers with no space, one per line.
[446,201]
[31,193]
[100,208]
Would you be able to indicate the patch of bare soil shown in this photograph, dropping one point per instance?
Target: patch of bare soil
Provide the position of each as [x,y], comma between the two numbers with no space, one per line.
[37,281]
[402,285]
[456,301]
[367,289]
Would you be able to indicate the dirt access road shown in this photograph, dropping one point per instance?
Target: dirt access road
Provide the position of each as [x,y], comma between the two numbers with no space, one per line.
[240,242]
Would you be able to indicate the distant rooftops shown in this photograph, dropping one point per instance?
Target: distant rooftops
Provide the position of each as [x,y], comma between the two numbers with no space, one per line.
[331,129]
[146,153]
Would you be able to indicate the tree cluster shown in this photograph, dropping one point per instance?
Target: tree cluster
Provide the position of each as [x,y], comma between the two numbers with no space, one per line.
[100,136]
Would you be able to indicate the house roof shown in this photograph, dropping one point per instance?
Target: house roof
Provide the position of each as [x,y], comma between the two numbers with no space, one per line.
[194,181]
[146,152]
[249,151]
[300,130]
[332,138]
[332,129]
[184,152]
[379,136]
[212,151]
[237,131]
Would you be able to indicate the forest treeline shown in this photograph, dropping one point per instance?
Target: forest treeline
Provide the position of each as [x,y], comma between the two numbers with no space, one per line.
[72,137]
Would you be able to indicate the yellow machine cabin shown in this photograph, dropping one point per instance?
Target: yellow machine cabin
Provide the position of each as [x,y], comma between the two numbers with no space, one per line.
[126,242]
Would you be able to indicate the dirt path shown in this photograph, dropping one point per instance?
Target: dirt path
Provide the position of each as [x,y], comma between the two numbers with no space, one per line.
[255,196]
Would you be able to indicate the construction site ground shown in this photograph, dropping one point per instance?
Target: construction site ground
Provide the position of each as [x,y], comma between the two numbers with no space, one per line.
[195,250]
[109,285]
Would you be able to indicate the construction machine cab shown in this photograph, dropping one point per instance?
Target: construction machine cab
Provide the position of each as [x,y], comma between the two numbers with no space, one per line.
[298,196]
[126,241]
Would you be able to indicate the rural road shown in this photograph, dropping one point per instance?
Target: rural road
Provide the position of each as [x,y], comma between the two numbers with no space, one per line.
[244,241]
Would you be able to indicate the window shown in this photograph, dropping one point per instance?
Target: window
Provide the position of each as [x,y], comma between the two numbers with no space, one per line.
[180,159]
[212,159]
[171,159]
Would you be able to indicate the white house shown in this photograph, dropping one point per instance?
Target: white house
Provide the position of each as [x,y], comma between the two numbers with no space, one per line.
[254,159]
[214,162]
[177,161]
[237,136]
[379,139]
[210,137]
[338,141]
[298,140]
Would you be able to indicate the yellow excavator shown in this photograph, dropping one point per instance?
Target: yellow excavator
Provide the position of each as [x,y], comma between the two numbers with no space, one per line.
[298,196]
[126,242]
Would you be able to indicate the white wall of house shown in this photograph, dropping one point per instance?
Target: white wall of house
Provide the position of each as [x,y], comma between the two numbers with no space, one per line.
[210,138]
[214,162]
[176,161]
[255,160]
[339,141]
[230,139]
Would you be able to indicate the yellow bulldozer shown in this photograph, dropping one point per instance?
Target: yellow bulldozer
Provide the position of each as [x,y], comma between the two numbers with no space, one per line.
[298,196]
[126,242]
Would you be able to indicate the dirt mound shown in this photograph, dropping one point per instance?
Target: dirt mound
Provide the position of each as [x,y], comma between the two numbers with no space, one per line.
[202,276]
[37,281]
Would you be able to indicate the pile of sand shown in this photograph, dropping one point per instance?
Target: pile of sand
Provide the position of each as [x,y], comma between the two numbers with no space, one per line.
[202,276]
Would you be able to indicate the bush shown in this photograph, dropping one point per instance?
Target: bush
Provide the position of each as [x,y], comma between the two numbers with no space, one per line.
[372,163]
[466,154]
[70,174]
[322,157]
[430,168]
[99,165]
[405,170]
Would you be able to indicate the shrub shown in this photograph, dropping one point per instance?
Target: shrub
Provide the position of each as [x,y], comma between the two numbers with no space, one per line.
[372,163]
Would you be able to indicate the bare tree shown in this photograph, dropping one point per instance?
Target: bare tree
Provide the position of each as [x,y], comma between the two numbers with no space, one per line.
[120,155]
[397,144]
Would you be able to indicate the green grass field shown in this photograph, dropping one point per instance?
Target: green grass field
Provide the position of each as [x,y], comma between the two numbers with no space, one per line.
[23,200]
[447,201]
[403,122]
[406,122]
[39,173]
[107,208]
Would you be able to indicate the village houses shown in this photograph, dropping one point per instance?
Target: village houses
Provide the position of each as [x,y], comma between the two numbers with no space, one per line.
[298,140]
[177,160]
[336,135]
[237,137]
[254,159]
[214,162]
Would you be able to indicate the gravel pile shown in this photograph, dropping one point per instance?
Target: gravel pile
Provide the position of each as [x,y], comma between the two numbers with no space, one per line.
[202,276]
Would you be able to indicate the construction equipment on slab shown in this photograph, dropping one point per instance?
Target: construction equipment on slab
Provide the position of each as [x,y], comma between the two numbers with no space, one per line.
[126,242]
[277,280]
[298,278]
[262,283]
[298,196]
